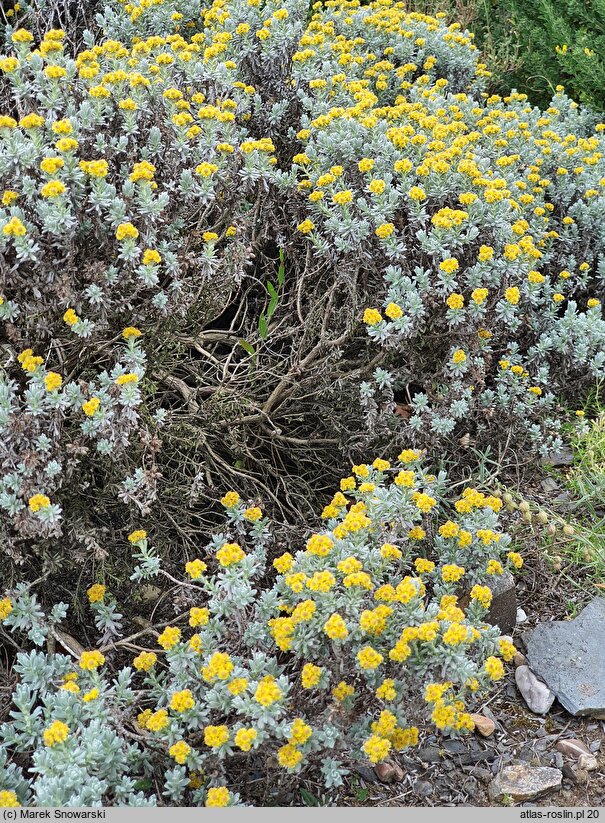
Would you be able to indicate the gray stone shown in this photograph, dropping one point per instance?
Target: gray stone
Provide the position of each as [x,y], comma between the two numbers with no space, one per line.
[572,747]
[422,788]
[524,782]
[549,485]
[503,609]
[536,694]
[521,616]
[564,457]
[429,754]
[569,655]
[587,762]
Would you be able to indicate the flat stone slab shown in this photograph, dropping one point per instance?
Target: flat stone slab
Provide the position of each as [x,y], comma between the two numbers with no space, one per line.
[569,655]
[503,608]
[524,782]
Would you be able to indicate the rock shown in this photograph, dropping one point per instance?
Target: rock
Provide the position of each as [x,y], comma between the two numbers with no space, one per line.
[569,774]
[595,746]
[503,607]
[455,746]
[564,457]
[429,754]
[569,655]
[582,775]
[366,773]
[549,485]
[524,782]
[536,694]
[469,786]
[422,788]
[388,772]
[572,747]
[484,775]
[587,762]
[519,660]
[483,724]
[521,616]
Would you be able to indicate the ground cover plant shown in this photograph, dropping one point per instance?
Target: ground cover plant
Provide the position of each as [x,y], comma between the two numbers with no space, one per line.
[242,246]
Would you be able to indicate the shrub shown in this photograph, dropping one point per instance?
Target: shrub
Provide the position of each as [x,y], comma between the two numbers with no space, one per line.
[327,659]
[476,217]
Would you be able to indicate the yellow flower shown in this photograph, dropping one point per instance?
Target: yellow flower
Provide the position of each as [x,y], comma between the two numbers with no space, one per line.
[142,171]
[8,799]
[253,514]
[126,231]
[230,500]
[372,317]
[52,381]
[369,658]
[70,317]
[65,144]
[512,295]
[311,675]
[494,668]
[458,357]
[219,667]
[91,695]
[343,198]
[306,226]
[125,379]
[483,594]
[417,193]
[449,265]
[267,691]
[230,554]
[9,197]
[450,573]
[206,169]
[289,756]
[494,567]
[182,701]
[51,165]
[145,661]
[130,331]
[218,797]
[6,607]
[365,165]
[37,502]
[56,733]
[516,559]
[90,661]
[54,188]
[244,738]
[157,721]
[151,257]
[180,751]
[90,406]
[216,736]
[385,230]
[169,637]
[335,627]
[14,228]
[377,748]
[198,617]
[96,593]
[22,36]
[195,568]
[455,301]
